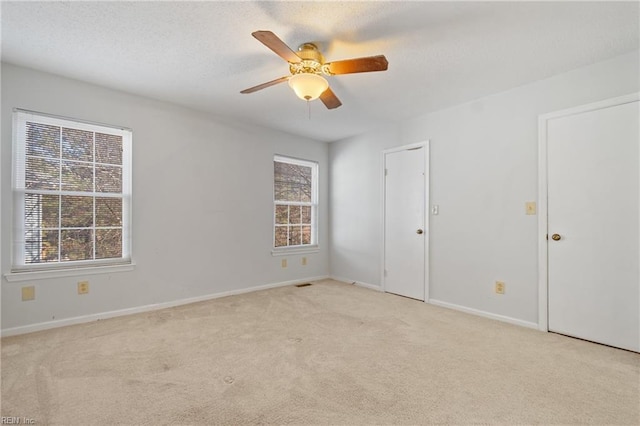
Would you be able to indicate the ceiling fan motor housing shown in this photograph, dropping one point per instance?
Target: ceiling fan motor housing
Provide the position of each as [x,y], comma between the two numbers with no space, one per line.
[312,60]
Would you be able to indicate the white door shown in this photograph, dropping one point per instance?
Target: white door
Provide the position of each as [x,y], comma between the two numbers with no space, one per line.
[593,225]
[405,235]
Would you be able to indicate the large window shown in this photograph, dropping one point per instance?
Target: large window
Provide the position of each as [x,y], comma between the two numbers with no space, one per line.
[72,193]
[295,188]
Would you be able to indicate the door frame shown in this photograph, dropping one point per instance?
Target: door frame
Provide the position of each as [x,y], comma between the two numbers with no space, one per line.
[543,254]
[425,219]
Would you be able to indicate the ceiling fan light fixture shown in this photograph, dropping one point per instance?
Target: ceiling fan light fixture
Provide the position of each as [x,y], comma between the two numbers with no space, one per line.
[306,66]
[308,86]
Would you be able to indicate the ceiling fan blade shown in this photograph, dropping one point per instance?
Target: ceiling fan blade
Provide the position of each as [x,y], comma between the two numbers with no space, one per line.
[329,99]
[350,66]
[274,43]
[265,85]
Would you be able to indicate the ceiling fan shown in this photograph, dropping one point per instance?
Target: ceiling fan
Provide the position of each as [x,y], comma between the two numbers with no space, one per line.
[307,67]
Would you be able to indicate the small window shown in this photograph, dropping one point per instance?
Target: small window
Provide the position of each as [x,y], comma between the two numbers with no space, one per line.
[72,193]
[295,189]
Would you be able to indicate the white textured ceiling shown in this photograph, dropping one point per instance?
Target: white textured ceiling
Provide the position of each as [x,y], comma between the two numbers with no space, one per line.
[201,54]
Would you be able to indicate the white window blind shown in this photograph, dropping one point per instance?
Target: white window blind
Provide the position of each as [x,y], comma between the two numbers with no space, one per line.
[295,202]
[71,192]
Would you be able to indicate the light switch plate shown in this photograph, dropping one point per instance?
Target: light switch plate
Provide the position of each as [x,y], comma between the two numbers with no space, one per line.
[530,207]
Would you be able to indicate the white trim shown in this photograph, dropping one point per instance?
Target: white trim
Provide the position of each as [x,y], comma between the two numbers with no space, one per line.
[543,220]
[369,286]
[292,250]
[605,103]
[294,160]
[484,314]
[542,226]
[427,216]
[359,284]
[383,241]
[146,308]
[62,117]
[75,272]
[425,211]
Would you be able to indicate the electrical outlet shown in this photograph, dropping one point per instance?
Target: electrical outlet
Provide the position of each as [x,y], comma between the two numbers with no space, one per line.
[500,287]
[284,263]
[304,261]
[28,293]
[83,287]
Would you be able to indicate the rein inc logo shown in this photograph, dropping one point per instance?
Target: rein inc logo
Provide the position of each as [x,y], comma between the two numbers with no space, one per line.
[6,420]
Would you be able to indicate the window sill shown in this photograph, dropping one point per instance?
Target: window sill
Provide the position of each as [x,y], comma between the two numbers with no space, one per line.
[295,250]
[59,273]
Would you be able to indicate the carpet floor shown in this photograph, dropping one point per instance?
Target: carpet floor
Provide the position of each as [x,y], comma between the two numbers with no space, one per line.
[330,353]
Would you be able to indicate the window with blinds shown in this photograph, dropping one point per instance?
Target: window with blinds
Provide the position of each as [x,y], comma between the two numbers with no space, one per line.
[72,193]
[295,187]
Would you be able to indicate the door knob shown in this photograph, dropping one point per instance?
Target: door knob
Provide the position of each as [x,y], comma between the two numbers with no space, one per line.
[419,231]
[556,237]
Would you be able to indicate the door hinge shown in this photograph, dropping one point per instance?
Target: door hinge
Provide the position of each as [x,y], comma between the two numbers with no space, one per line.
[386,172]
[547,237]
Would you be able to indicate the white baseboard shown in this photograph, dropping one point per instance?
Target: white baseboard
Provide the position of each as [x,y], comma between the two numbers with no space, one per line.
[358,283]
[146,308]
[485,314]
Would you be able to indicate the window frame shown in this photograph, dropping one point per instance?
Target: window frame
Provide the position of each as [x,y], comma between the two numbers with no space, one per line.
[21,270]
[301,248]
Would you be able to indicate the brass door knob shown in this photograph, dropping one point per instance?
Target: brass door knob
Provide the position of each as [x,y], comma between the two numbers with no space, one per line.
[556,237]
[419,231]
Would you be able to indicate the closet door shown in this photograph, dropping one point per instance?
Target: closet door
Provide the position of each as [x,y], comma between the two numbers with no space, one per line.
[593,225]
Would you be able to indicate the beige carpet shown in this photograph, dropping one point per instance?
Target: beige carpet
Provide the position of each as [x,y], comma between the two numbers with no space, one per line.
[330,353]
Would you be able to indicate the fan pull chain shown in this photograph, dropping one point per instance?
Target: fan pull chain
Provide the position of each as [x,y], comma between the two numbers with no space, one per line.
[309,108]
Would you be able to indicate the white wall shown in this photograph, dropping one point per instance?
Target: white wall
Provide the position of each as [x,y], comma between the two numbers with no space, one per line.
[483,169]
[202,202]
[355,205]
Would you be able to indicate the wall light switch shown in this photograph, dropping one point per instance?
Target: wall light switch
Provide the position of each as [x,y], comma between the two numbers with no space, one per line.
[304,261]
[28,293]
[530,207]
[284,263]
[435,209]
